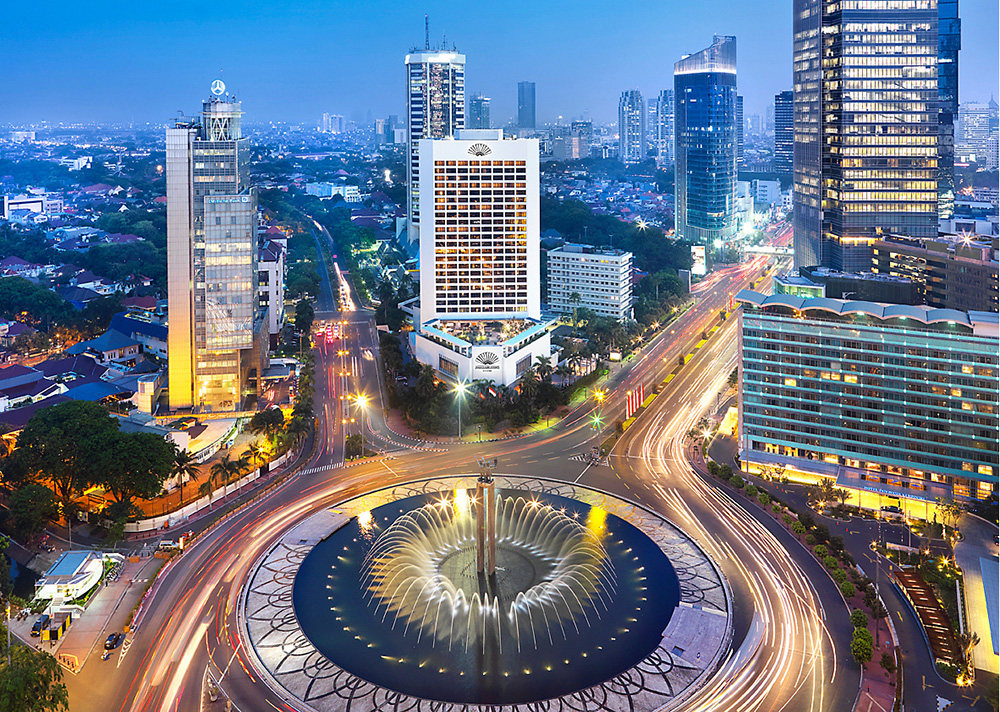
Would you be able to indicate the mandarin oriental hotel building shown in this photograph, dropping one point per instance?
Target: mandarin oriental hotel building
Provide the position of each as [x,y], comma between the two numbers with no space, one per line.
[479,312]
[888,401]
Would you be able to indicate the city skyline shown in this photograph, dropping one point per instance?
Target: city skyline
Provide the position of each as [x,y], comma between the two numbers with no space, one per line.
[61,78]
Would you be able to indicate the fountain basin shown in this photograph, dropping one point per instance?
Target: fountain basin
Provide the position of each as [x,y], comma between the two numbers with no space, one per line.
[580,596]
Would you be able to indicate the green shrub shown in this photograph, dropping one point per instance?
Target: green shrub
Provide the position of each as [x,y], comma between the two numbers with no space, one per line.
[847,588]
[831,562]
[888,662]
[776,508]
[736,481]
[810,539]
[787,518]
[821,551]
[858,618]
[750,491]
[764,499]
[798,528]
[861,650]
[840,576]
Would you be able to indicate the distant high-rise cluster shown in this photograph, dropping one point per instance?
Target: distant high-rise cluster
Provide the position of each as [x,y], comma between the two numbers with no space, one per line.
[331,124]
[526,105]
[977,133]
[705,143]
[631,127]
[866,127]
[435,108]
[216,337]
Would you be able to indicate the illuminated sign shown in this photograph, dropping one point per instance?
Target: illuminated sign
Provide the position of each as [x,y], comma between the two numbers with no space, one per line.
[698,264]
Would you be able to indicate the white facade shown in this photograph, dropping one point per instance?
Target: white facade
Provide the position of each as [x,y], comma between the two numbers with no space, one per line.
[766,191]
[602,278]
[479,250]
[480,303]
[631,127]
[435,108]
[271,284]
[350,193]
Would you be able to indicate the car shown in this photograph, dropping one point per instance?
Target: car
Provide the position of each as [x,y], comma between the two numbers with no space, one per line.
[40,624]
[113,641]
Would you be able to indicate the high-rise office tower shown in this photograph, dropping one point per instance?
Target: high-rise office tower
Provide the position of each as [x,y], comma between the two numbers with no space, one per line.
[665,127]
[215,340]
[526,105]
[866,127]
[784,133]
[974,130]
[480,296]
[651,126]
[631,127]
[739,130]
[479,112]
[582,135]
[435,108]
[705,143]
[949,43]
[325,124]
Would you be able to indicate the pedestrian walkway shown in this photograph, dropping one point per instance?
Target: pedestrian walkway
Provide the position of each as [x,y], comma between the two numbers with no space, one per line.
[976,555]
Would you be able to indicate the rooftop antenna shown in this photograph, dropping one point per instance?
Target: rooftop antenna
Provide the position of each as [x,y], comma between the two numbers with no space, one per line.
[427,32]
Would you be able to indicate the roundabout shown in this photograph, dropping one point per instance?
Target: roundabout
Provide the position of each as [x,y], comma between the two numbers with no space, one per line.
[449,594]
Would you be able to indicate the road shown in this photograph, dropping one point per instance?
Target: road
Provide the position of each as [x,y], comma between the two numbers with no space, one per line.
[790,622]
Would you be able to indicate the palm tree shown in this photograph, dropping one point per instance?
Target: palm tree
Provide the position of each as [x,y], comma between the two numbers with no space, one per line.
[575,300]
[254,453]
[297,429]
[543,367]
[223,471]
[529,383]
[185,465]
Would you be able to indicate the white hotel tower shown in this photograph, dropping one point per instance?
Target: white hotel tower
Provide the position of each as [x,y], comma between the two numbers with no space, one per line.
[479,313]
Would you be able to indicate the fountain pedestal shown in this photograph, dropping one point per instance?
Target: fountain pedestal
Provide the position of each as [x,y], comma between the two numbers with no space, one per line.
[486,525]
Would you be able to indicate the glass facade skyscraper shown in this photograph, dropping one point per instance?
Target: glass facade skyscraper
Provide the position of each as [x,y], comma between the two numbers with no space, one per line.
[705,140]
[215,339]
[665,127]
[949,43]
[895,399]
[479,112]
[631,127]
[435,108]
[783,133]
[866,127]
[526,105]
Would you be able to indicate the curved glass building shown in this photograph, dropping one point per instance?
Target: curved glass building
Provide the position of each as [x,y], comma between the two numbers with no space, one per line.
[705,143]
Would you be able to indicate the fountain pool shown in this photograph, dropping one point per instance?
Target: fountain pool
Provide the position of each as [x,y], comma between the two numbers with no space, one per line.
[395,597]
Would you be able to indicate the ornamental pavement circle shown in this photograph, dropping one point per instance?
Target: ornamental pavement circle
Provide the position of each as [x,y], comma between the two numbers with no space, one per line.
[696,637]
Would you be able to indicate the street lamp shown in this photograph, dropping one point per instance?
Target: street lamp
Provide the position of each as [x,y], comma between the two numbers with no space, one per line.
[460,390]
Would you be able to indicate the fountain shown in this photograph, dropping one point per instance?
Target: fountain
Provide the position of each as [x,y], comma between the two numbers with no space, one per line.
[485,596]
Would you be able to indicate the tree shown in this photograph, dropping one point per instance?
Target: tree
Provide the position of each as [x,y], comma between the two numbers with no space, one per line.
[858,618]
[575,299]
[185,465]
[226,468]
[32,682]
[6,584]
[254,454]
[847,588]
[354,445]
[136,465]
[543,367]
[304,316]
[64,444]
[861,645]
[888,662]
[31,507]
[267,422]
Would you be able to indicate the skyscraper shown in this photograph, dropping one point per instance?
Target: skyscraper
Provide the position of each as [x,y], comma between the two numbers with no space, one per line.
[526,105]
[705,143]
[949,43]
[215,339]
[665,127]
[479,112]
[631,127]
[739,130]
[480,297]
[974,130]
[435,108]
[866,127]
[784,133]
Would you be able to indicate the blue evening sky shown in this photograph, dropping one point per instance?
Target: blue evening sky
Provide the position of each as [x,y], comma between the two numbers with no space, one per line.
[293,60]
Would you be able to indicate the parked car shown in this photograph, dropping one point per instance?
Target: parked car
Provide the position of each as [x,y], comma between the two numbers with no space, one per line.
[113,641]
[40,624]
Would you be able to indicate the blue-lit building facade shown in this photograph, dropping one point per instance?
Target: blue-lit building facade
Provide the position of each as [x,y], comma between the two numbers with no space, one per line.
[705,135]
[896,400]
[949,43]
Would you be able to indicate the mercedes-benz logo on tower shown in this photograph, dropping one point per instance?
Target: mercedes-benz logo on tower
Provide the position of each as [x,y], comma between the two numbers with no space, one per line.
[480,149]
[218,87]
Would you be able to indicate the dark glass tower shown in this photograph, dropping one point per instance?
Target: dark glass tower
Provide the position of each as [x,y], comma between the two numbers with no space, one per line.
[478,113]
[526,105]
[949,42]
[783,133]
[705,143]
[866,127]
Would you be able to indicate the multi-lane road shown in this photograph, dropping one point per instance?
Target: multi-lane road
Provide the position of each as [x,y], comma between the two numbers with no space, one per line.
[789,620]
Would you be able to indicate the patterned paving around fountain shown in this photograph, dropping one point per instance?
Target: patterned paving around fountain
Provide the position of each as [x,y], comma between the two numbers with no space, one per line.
[693,642]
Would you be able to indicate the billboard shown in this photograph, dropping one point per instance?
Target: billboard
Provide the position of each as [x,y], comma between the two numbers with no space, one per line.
[698,265]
